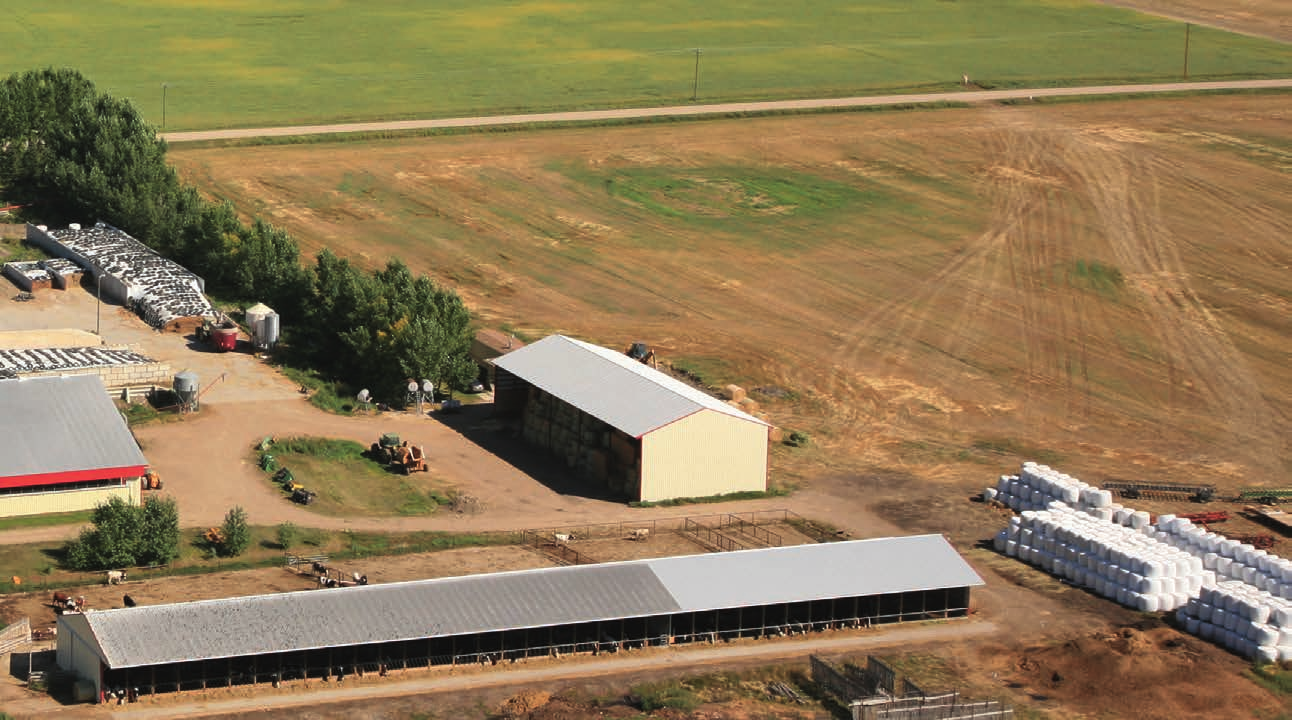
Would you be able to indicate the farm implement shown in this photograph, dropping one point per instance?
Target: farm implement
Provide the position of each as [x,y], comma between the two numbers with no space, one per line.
[1265,496]
[1161,491]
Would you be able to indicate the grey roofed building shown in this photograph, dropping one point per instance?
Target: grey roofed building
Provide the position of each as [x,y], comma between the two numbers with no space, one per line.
[642,399]
[235,627]
[62,429]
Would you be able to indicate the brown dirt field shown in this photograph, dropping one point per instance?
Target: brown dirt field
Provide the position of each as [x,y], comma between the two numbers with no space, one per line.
[1266,18]
[939,330]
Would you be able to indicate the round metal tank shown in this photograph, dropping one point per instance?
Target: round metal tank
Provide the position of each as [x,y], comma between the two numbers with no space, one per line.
[225,338]
[267,330]
[254,316]
[186,386]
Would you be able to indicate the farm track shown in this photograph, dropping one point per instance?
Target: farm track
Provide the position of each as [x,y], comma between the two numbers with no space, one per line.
[675,111]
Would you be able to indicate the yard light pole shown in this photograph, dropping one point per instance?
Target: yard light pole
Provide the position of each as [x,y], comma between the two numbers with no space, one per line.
[1187,26]
[98,306]
[164,86]
[695,84]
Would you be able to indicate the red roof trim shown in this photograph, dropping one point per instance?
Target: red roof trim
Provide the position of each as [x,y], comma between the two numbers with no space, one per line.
[72,476]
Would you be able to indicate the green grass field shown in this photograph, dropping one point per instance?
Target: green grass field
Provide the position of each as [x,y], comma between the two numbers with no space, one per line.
[242,63]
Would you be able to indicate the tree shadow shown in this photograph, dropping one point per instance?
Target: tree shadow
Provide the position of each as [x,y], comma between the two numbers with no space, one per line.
[501,437]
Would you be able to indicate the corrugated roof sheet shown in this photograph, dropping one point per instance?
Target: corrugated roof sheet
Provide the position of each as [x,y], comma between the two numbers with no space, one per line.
[610,386]
[377,613]
[310,619]
[62,424]
[829,570]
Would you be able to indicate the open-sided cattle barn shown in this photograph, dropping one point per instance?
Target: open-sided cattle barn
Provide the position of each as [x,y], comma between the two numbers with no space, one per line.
[641,433]
[509,616]
[63,446]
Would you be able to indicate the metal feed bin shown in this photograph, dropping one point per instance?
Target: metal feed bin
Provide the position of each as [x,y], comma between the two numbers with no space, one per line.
[186,387]
[267,330]
[254,319]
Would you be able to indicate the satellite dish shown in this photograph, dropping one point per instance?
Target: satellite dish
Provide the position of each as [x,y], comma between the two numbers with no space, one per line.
[364,395]
[427,386]
[412,386]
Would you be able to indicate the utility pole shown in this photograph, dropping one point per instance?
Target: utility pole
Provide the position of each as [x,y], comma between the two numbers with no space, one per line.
[695,84]
[98,307]
[1186,50]
[163,106]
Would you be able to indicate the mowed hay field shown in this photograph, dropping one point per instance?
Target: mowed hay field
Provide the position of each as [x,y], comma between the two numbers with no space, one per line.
[1103,285]
[276,62]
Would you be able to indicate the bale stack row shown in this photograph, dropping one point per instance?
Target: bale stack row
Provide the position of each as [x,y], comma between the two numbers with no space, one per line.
[1230,559]
[586,444]
[1247,621]
[1118,562]
[1036,486]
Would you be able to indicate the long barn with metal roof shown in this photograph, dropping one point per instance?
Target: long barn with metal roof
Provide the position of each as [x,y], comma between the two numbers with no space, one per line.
[514,615]
[640,433]
[63,446]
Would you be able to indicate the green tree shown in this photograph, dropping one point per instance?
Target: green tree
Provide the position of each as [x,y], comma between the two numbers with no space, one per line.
[287,535]
[112,541]
[160,538]
[236,532]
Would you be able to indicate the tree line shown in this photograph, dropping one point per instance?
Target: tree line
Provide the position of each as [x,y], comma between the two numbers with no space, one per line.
[69,153]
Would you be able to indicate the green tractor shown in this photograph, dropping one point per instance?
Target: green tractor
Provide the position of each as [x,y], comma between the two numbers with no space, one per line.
[386,449]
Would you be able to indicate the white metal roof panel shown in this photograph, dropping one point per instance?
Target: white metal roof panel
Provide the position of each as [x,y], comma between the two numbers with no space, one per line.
[855,568]
[233,627]
[610,386]
[62,424]
[311,619]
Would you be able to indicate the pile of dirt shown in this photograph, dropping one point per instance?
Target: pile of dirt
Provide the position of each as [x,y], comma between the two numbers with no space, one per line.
[1134,668]
[522,705]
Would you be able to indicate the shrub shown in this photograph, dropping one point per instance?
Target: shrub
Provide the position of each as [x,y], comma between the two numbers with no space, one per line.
[236,533]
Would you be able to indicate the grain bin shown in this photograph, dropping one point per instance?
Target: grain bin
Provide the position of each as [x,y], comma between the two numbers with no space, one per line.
[267,331]
[253,318]
[186,388]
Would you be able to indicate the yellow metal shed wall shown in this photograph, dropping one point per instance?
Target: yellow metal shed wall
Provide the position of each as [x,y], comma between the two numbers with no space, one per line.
[707,453]
[66,501]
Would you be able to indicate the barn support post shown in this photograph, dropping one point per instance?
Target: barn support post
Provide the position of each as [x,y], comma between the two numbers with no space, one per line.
[228,672]
[327,674]
[152,679]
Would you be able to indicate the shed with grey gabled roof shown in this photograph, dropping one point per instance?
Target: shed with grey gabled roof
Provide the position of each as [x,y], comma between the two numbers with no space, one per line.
[586,608]
[641,432]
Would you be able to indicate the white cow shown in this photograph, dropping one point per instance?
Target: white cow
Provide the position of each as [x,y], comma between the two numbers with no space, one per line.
[116,577]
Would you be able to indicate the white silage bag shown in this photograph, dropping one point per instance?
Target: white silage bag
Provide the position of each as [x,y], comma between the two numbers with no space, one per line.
[1162,536]
[1208,578]
[1209,561]
[1226,548]
[1223,564]
[1231,620]
[1195,584]
[1192,624]
[1285,654]
[999,541]
[1249,574]
[1260,613]
[1011,548]
[1139,519]
[1207,631]
[1220,617]
[1285,637]
[1163,520]
[1285,571]
[1205,611]
[1180,598]
[1267,653]
[1266,635]
[1147,603]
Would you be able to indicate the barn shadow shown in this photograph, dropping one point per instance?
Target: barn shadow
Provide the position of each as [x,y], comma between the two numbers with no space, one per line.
[502,439]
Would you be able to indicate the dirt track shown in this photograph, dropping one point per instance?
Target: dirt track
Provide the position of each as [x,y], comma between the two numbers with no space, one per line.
[968,96]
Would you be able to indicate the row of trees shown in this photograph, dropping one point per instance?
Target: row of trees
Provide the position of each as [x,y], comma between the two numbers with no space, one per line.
[72,154]
[125,535]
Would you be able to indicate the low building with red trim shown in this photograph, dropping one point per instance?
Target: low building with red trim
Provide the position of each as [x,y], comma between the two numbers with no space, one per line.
[64,447]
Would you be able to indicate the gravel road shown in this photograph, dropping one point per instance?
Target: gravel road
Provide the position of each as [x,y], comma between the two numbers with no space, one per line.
[720,109]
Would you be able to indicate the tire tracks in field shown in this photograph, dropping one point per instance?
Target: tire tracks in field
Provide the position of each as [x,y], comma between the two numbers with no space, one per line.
[1125,189]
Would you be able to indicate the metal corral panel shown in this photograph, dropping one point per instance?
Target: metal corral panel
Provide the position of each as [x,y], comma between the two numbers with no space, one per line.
[704,454]
[60,501]
[814,572]
[132,637]
[611,386]
[64,425]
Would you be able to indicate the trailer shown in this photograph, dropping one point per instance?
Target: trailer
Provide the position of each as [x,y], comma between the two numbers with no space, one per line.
[1161,491]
